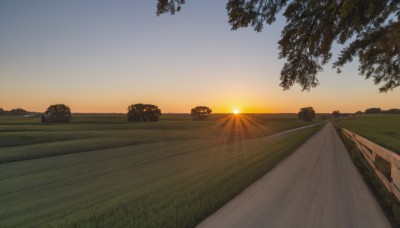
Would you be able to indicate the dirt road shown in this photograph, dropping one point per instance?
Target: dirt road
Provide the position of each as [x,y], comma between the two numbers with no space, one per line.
[317,186]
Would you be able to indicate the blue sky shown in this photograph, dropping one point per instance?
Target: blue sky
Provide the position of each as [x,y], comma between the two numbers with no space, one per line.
[101,56]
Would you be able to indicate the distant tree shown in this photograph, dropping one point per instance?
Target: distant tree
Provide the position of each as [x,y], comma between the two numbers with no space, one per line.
[58,113]
[373,111]
[323,117]
[306,114]
[358,113]
[143,112]
[135,113]
[2,112]
[18,111]
[336,114]
[367,30]
[200,113]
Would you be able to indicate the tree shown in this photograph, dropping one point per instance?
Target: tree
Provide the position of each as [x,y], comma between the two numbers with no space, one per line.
[143,112]
[200,112]
[373,111]
[151,113]
[336,114]
[306,114]
[359,113]
[367,29]
[58,113]
[135,113]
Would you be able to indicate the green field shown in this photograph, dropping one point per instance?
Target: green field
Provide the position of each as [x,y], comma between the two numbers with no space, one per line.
[383,129]
[103,171]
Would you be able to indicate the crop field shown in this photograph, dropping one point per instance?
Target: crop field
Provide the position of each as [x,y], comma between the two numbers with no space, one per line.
[383,129]
[102,171]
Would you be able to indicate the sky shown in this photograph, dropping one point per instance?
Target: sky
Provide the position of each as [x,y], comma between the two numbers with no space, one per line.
[102,56]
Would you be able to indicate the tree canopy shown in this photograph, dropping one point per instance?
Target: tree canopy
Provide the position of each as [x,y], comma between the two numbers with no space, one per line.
[365,29]
[143,113]
[58,113]
[306,114]
[200,112]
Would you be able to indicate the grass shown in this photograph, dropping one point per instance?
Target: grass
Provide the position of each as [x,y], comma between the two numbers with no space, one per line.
[106,173]
[382,129]
[388,202]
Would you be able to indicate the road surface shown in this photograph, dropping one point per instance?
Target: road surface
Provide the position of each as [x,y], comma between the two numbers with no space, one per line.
[316,186]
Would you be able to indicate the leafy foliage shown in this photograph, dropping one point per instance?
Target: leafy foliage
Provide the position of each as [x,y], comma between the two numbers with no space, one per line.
[143,113]
[306,114]
[368,29]
[200,112]
[169,6]
[58,113]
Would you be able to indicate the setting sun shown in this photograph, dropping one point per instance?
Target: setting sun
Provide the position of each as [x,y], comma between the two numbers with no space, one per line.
[236,111]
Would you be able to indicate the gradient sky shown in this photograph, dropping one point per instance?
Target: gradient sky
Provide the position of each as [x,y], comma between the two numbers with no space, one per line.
[101,56]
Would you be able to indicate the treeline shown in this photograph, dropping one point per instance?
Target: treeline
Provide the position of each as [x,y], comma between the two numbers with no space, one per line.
[61,113]
[380,111]
[16,112]
[337,113]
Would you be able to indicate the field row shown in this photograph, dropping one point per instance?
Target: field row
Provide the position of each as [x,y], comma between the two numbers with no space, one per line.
[31,140]
[157,184]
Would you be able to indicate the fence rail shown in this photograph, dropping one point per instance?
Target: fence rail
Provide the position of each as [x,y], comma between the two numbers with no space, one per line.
[374,154]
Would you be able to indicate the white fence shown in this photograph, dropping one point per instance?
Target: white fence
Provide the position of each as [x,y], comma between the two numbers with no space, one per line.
[370,150]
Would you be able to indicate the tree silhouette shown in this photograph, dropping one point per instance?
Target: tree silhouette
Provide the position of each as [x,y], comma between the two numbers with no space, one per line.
[58,113]
[306,114]
[373,111]
[336,114]
[135,113]
[143,113]
[200,112]
[18,111]
[367,29]
[392,111]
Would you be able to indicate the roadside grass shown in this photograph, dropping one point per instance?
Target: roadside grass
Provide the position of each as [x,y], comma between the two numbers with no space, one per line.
[158,184]
[383,129]
[388,202]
